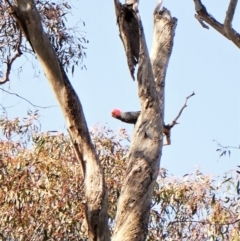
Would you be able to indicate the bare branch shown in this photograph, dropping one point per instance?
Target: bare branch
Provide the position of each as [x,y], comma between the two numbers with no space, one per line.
[203,15]
[4,109]
[131,117]
[167,128]
[226,147]
[205,222]
[174,122]
[10,61]
[36,106]
[228,21]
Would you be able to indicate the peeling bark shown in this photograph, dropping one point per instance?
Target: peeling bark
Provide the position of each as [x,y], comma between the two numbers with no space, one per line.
[29,19]
[146,148]
[128,27]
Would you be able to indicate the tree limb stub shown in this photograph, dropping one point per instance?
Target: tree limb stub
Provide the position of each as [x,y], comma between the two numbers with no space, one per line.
[145,151]
[95,190]
[225,29]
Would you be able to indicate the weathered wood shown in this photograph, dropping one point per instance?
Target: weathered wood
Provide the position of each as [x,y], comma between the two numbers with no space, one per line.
[27,15]
[231,33]
[225,29]
[128,28]
[146,147]
[163,35]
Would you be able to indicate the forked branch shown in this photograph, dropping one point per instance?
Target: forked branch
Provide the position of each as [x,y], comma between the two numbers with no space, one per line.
[225,29]
[143,159]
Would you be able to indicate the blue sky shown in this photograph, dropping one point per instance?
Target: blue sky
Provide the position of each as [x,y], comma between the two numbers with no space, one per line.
[202,61]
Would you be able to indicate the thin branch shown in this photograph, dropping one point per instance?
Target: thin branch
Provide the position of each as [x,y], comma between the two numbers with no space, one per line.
[10,62]
[203,15]
[132,117]
[4,109]
[226,147]
[205,222]
[174,122]
[36,106]
[229,18]
[167,128]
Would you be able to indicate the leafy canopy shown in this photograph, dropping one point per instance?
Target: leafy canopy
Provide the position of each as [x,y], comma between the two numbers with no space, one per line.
[41,189]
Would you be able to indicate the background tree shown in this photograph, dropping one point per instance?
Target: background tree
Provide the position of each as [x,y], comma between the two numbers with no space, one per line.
[42,189]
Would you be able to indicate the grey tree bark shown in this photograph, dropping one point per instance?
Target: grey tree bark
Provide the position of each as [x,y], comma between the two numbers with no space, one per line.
[146,148]
[226,28]
[29,20]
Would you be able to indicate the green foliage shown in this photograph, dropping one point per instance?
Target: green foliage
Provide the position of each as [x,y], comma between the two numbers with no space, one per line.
[42,191]
[68,41]
[41,188]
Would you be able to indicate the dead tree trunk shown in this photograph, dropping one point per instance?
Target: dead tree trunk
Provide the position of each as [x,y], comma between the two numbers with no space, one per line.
[146,148]
[29,20]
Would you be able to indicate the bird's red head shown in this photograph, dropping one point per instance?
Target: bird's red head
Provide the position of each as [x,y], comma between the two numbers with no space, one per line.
[116,113]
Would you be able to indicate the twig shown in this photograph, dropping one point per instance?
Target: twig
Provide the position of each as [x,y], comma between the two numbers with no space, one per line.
[226,147]
[205,222]
[4,109]
[10,62]
[36,106]
[223,150]
[132,117]
[167,128]
[174,122]
[200,20]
